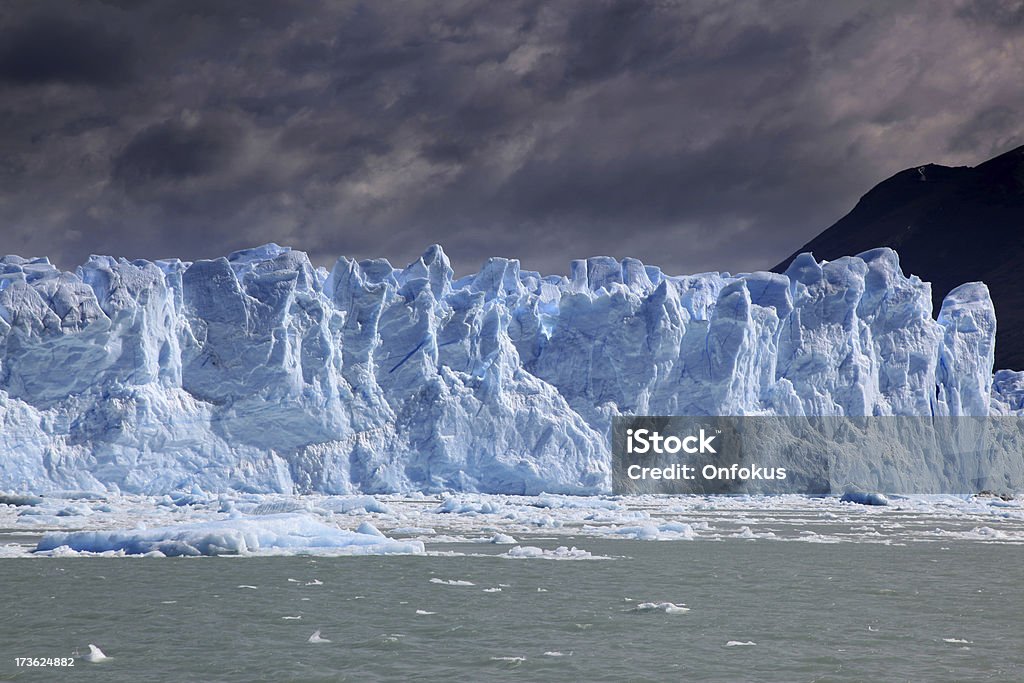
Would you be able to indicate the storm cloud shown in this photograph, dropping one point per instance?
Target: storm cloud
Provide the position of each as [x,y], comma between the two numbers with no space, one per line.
[696,136]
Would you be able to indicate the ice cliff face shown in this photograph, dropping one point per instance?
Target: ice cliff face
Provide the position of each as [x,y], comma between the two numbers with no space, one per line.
[261,372]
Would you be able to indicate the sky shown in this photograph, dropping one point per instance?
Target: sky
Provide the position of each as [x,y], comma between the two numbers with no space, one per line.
[696,136]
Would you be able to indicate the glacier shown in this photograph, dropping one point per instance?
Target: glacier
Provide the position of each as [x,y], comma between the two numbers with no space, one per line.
[261,373]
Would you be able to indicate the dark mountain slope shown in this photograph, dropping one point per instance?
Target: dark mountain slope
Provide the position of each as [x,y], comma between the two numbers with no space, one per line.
[950,226]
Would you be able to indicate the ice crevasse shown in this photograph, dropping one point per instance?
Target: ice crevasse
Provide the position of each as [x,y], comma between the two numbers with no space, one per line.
[260,372]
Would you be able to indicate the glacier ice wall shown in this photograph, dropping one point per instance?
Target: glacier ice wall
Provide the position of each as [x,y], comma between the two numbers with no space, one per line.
[260,372]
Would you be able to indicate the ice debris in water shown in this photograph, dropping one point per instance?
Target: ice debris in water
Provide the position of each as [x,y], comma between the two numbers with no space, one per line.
[502,539]
[260,373]
[667,531]
[278,534]
[666,607]
[864,498]
[95,654]
[452,582]
[559,553]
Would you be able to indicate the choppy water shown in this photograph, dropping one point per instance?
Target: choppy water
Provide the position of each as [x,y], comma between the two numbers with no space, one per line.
[948,611]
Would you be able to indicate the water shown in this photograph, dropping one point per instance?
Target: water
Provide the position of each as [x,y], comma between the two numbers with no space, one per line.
[817,612]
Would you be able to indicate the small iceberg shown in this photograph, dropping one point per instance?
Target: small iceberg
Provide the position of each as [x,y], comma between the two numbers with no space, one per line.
[452,582]
[502,539]
[667,531]
[666,607]
[95,654]
[281,534]
[560,553]
[863,498]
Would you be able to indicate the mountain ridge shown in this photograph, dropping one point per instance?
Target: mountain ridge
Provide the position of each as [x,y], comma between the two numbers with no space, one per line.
[949,225]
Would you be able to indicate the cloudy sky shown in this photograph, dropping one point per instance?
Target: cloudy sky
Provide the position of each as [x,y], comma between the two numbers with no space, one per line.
[697,136]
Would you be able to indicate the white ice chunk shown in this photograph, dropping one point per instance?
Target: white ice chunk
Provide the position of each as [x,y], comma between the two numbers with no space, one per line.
[286,534]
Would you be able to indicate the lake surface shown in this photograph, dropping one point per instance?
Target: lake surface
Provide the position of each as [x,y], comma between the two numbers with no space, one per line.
[854,611]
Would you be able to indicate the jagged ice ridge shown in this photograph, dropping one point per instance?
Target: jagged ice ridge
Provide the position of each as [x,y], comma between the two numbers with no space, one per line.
[259,372]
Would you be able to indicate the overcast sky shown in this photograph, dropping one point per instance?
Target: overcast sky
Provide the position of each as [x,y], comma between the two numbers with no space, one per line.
[696,136]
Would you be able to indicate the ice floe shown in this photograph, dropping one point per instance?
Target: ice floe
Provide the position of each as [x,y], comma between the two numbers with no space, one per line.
[666,607]
[560,553]
[274,534]
[115,525]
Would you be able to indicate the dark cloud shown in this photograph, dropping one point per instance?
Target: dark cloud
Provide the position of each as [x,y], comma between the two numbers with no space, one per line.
[999,13]
[697,136]
[174,150]
[58,50]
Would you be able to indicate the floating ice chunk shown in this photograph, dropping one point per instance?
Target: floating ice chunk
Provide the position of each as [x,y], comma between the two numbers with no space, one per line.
[984,533]
[12,550]
[740,643]
[75,511]
[76,495]
[864,498]
[574,502]
[95,654]
[315,638]
[278,507]
[19,499]
[274,534]
[559,553]
[369,530]
[414,531]
[348,504]
[667,531]
[453,504]
[502,539]
[666,607]
[546,521]
[452,582]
